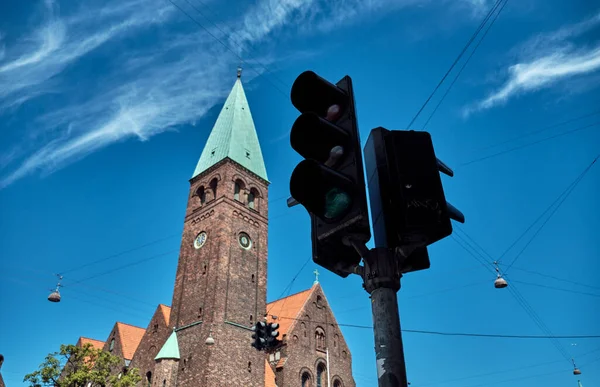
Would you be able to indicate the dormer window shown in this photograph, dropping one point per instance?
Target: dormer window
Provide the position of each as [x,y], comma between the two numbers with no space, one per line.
[247,153]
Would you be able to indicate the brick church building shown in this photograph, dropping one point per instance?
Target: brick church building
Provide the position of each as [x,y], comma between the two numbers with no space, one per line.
[203,339]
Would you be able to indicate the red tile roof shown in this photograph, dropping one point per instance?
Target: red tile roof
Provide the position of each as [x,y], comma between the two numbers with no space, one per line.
[130,337]
[166,311]
[95,343]
[288,309]
[269,375]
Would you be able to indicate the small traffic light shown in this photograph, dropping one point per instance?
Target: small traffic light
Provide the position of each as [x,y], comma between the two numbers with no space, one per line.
[329,183]
[271,335]
[409,207]
[259,335]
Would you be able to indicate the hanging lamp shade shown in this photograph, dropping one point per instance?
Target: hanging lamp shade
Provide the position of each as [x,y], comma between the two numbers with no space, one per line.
[54,296]
[500,283]
[576,371]
[209,340]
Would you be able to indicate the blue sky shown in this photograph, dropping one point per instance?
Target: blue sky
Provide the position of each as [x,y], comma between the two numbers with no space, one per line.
[105,107]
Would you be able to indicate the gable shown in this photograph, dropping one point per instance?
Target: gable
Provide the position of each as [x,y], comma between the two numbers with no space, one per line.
[152,340]
[166,312]
[130,337]
[287,310]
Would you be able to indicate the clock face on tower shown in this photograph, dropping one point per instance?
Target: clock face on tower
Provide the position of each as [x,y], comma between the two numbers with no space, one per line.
[200,240]
[245,240]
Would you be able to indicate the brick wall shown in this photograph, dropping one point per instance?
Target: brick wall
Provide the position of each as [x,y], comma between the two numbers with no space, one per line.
[153,340]
[301,352]
[221,281]
[165,373]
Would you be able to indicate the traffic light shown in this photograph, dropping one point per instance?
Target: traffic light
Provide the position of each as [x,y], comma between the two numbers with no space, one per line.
[409,207]
[329,183]
[271,335]
[259,335]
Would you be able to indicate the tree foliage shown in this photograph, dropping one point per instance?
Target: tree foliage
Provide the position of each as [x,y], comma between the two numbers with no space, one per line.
[85,366]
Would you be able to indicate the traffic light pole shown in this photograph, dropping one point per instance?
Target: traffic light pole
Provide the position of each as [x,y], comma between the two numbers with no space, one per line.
[381,276]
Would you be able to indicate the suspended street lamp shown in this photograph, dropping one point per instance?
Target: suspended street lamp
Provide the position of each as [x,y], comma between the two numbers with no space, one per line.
[576,370]
[55,295]
[500,282]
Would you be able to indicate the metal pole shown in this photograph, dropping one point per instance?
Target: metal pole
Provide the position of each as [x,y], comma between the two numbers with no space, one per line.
[382,280]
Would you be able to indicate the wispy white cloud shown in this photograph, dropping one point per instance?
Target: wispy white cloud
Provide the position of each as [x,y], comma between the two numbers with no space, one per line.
[547,60]
[142,90]
[268,17]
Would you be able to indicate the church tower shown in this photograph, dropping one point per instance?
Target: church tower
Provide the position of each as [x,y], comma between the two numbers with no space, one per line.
[220,285]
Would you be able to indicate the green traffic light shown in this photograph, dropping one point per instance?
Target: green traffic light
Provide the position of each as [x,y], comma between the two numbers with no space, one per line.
[337,202]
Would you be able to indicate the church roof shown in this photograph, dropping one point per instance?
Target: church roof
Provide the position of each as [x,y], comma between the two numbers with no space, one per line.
[233,136]
[170,350]
[287,309]
[269,375]
[166,311]
[130,336]
[98,344]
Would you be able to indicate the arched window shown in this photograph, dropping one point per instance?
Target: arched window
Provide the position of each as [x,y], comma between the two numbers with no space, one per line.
[213,187]
[320,339]
[251,199]
[111,346]
[202,195]
[236,190]
[337,383]
[320,372]
[305,379]
[148,378]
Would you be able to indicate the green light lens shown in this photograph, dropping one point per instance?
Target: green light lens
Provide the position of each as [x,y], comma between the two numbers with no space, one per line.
[337,202]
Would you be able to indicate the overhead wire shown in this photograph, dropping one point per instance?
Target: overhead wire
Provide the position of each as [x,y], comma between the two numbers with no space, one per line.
[118,254]
[481,261]
[529,144]
[550,206]
[538,321]
[473,36]
[464,65]
[225,45]
[502,371]
[288,288]
[531,312]
[560,200]
[225,33]
[441,333]
[556,288]
[555,277]
[123,267]
[543,129]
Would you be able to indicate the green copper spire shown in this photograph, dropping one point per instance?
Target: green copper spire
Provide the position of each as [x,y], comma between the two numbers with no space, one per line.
[170,350]
[234,136]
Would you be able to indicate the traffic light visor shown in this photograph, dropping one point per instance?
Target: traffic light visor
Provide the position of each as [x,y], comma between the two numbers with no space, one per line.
[311,93]
[323,191]
[314,137]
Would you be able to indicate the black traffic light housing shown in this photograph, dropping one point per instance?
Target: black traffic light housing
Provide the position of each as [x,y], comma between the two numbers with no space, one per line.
[329,183]
[259,335]
[407,198]
[271,335]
